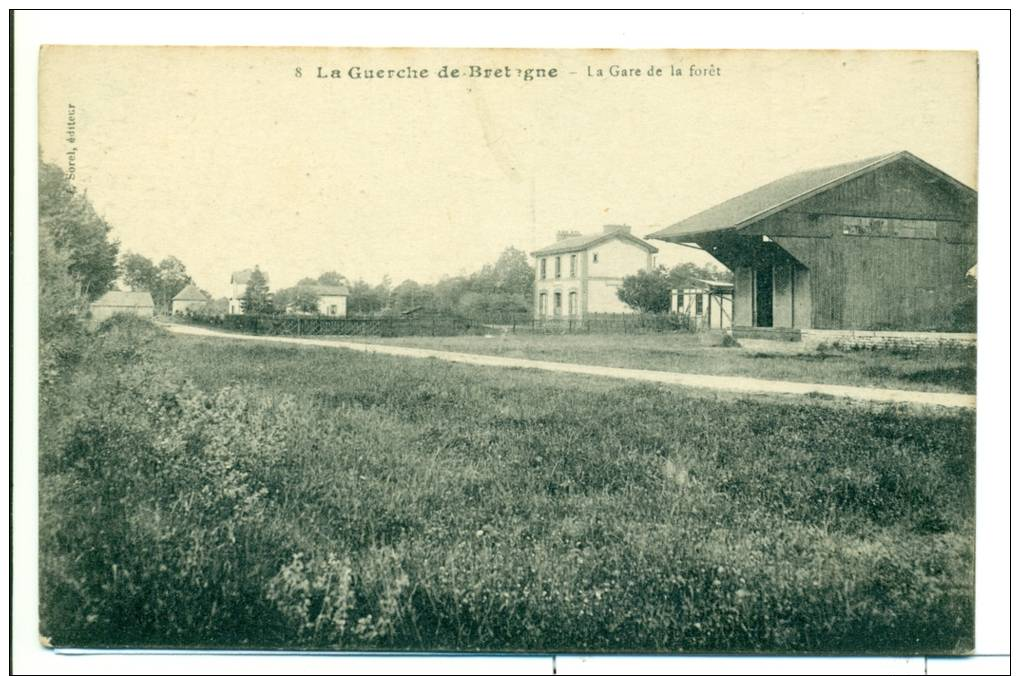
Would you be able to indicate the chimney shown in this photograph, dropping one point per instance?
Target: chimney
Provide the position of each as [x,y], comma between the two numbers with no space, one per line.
[566,234]
[616,228]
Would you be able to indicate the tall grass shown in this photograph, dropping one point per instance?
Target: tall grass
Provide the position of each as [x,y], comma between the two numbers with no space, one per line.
[214,494]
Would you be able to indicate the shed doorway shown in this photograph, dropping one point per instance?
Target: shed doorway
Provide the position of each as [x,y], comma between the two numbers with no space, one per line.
[763,297]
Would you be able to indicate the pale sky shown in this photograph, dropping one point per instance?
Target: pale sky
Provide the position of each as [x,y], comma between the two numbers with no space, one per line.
[225,159]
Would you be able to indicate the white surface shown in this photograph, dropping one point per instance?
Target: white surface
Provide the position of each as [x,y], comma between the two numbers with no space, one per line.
[986,32]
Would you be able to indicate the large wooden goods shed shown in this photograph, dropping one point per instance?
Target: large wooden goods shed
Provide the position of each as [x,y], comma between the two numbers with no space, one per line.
[878,244]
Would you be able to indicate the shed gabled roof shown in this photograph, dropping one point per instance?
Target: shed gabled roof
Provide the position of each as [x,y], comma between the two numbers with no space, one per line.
[754,205]
[190,292]
[583,242]
[124,299]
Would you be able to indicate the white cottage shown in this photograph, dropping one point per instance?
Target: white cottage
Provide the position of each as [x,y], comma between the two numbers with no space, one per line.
[332,299]
[190,298]
[138,303]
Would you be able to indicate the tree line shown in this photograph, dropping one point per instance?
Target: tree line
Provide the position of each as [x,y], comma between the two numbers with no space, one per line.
[77,265]
[79,262]
[163,280]
[503,287]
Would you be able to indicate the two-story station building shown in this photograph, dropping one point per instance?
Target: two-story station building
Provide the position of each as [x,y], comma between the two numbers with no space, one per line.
[580,274]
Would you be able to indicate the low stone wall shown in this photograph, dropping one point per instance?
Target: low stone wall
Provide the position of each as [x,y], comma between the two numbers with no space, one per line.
[763,333]
[812,338]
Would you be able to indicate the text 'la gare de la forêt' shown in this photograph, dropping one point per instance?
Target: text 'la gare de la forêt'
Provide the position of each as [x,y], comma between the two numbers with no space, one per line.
[447,72]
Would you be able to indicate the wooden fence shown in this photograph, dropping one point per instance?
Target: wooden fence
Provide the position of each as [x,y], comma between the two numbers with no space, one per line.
[290,325]
[437,325]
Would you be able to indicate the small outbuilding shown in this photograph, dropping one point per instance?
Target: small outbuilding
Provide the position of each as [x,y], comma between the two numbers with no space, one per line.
[190,298]
[881,244]
[332,299]
[704,304]
[138,303]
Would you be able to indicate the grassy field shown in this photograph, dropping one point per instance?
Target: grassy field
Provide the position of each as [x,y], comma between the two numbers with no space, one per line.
[944,369]
[212,493]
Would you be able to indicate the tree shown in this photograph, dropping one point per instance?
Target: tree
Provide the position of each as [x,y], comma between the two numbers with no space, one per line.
[332,278]
[503,287]
[171,279]
[448,292]
[647,291]
[364,299]
[682,274]
[410,294]
[514,274]
[305,299]
[299,298]
[138,272]
[256,299]
[78,233]
[163,281]
[77,264]
[486,305]
[62,337]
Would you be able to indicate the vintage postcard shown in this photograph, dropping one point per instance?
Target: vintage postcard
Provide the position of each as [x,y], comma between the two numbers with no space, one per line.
[508,351]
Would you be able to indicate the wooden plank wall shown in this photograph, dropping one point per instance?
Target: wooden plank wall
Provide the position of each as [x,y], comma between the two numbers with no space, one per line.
[782,296]
[801,297]
[742,291]
[877,283]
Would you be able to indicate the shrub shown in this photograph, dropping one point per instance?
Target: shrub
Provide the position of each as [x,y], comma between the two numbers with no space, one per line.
[342,502]
[964,314]
[315,596]
[155,523]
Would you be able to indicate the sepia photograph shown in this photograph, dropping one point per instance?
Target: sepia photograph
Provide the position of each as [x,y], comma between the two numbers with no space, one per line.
[508,351]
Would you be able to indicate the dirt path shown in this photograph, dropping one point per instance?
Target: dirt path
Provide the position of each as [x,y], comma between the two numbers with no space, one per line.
[722,383]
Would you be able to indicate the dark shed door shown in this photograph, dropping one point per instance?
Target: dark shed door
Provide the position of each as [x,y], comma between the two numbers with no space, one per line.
[763,296]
